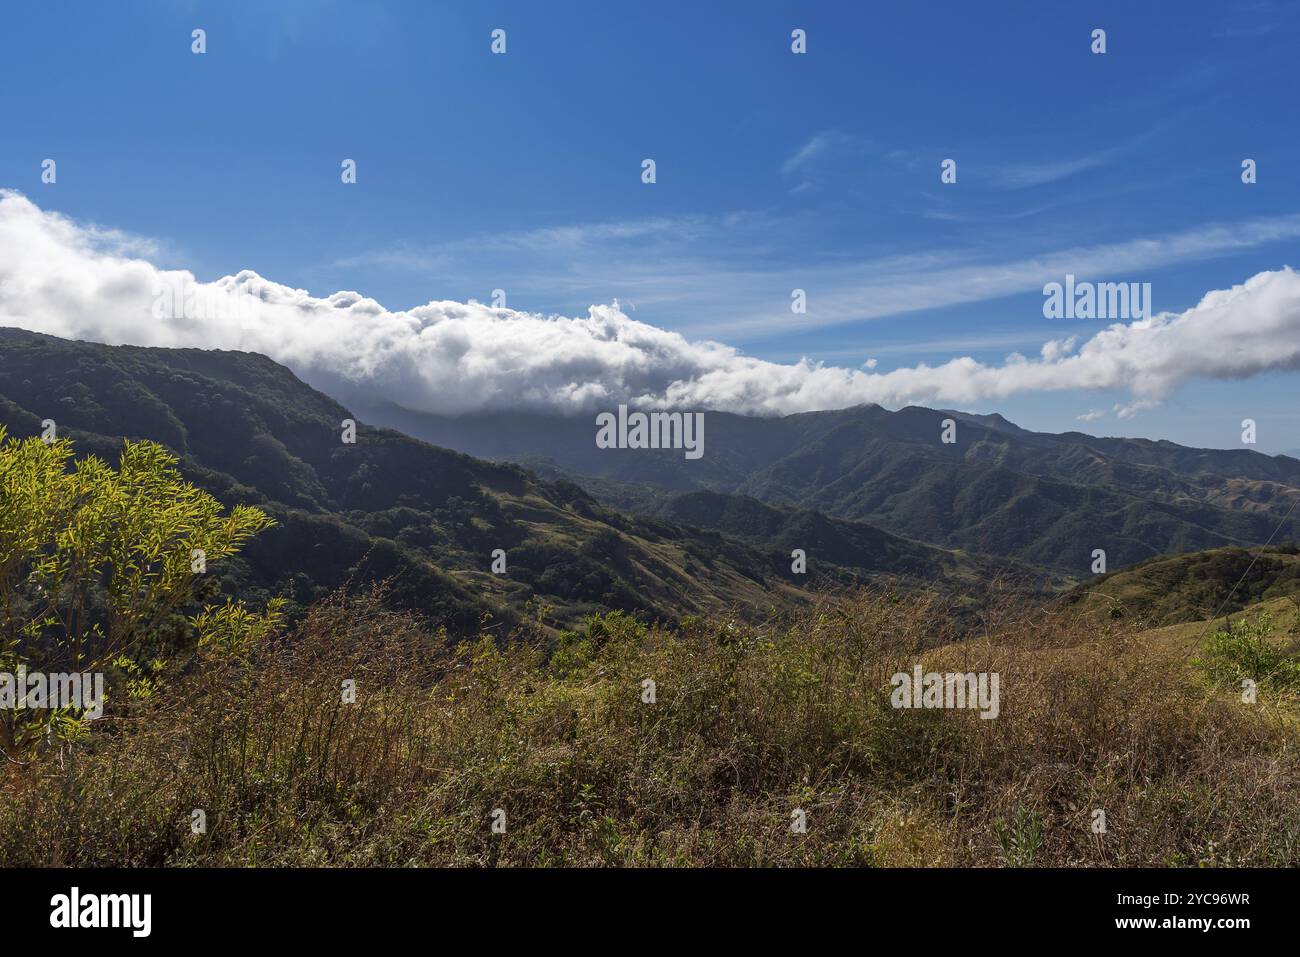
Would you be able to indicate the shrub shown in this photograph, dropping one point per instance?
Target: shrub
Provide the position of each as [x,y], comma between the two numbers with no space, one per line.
[98,567]
[1243,649]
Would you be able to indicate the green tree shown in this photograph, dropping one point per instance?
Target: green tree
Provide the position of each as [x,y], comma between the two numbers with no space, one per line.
[98,564]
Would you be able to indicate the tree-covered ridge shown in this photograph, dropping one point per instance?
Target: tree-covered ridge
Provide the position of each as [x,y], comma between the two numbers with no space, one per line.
[1181,588]
[1043,499]
[422,518]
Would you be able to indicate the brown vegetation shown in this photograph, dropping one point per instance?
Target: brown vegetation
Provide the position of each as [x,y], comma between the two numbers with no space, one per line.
[748,724]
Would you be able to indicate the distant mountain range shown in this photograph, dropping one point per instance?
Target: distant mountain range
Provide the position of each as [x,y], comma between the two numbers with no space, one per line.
[391,507]
[1042,499]
[863,493]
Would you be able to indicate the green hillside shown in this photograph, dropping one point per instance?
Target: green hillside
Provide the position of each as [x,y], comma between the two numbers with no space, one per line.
[1192,588]
[389,507]
[1046,500]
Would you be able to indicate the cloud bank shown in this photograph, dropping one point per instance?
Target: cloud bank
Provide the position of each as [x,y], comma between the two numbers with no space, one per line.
[82,282]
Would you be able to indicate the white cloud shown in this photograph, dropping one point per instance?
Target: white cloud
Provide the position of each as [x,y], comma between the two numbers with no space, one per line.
[448,357]
[898,285]
[822,144]
[826,145]
[1023,175]
[730,275]
[1026,175]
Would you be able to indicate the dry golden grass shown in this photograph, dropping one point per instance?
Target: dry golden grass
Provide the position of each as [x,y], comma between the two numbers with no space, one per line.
[749,724]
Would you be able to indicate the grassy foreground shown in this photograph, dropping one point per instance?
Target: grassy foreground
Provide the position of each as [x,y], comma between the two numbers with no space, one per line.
[747,727]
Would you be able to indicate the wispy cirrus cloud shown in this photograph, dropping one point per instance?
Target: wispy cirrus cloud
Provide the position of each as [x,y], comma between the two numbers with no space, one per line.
[1025,175]
[566,239]
[831,155]
[731,275]
[1019,174]
[817,158]
[892,286]
[816,146]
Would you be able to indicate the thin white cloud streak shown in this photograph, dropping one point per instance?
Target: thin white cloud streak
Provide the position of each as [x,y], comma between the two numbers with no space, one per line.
[731,276]
[544,240]
[836,146]
[821,144]
[895,287]
[1039,174]
[1027,175]
[995,342]
[448,357]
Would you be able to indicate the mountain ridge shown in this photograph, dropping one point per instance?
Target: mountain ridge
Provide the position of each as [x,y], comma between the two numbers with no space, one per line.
[392,507]
[1048,499]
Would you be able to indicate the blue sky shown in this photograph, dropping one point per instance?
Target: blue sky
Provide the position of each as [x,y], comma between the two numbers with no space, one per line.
[774,170]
